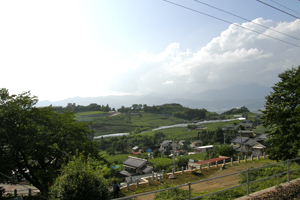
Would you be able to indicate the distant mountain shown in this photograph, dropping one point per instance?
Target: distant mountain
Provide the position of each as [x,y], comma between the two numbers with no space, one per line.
[251,96]
[236,92]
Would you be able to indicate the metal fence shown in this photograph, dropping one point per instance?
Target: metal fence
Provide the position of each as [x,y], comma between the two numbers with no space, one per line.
[248,182]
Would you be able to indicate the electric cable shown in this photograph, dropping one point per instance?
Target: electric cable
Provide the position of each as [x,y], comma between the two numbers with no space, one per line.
[285,7]
[230,23]
[278,9]
[246,19]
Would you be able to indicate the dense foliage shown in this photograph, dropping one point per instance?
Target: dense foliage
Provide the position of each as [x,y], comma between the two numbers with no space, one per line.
[124,144]
[282,113]
[234,111]
[211,137]
[81,179]
[222,150]
[34,142]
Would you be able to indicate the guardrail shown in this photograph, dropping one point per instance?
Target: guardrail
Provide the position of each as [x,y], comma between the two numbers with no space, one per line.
[288,172]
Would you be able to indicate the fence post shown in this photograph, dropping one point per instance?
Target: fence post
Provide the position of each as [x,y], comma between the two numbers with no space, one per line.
[163,173]
[247,182]
[137,182]
[216,164]
[130,179]
[182,169]
[149,180]
[251,157]
[15,192]
[153,175]
[245,158]
[29,192]
[208,165]
[156,177]
[127,185]
[231,160]
[189,190]
[258,156]
[160,178]
[288,165]
[239,160]
[264,155]
[200,167]
[224,161]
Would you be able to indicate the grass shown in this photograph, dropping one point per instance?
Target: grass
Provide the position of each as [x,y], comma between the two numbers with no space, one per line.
[89,113]
[194,177]
[181,179]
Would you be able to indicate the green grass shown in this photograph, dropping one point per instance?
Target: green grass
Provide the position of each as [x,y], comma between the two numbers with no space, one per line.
[88,113]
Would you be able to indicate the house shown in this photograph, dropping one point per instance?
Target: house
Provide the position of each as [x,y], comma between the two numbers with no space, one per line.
[135,166]
[248,145]
[229,128]
[136,150]
[247,124]
[181,152]
[203,149]
[167,146]
[196,143]
[184,142]
[247,133]
[262,137]
[237,141]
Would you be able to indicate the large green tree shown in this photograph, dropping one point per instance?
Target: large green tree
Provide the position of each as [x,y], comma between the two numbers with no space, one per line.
[282,115]
[35,142]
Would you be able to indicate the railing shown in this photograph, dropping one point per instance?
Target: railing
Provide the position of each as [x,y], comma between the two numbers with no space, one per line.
[288,172]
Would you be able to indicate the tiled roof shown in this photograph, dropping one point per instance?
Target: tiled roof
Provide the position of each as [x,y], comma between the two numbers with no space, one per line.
[134,162]
[147,169]
[126,173]
[238,139]
[262,137]
[251,142]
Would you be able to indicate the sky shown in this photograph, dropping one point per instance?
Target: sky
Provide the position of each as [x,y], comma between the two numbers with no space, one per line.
[60,49]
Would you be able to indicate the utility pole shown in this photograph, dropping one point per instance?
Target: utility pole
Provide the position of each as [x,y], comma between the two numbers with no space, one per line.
[241,143]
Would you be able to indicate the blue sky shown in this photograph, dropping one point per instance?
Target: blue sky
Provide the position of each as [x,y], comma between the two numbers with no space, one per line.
[62,49]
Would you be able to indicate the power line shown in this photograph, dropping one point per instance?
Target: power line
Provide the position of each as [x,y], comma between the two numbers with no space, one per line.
[246,19]
[285,7]
[278,9]
[230,23]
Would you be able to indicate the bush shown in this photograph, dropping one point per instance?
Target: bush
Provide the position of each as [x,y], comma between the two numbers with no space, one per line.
[80,179]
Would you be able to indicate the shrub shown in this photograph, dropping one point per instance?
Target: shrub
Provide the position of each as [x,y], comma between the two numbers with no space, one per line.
[80,179]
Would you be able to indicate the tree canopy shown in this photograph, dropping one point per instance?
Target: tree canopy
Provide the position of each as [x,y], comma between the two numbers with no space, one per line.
[80,179]
[282,114]
[35,142]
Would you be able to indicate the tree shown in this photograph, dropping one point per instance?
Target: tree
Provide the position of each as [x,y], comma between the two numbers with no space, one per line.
[222,150]
[282,115]
[182,162]
[80,179]
[35,142]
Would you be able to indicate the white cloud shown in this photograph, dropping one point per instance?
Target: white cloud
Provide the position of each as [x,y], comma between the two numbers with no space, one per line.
[168,83]
[237,56]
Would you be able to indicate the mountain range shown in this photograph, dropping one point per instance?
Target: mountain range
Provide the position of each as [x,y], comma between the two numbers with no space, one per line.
[252,96]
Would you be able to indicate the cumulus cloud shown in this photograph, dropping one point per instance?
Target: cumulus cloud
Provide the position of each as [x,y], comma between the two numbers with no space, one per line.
[237,56]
